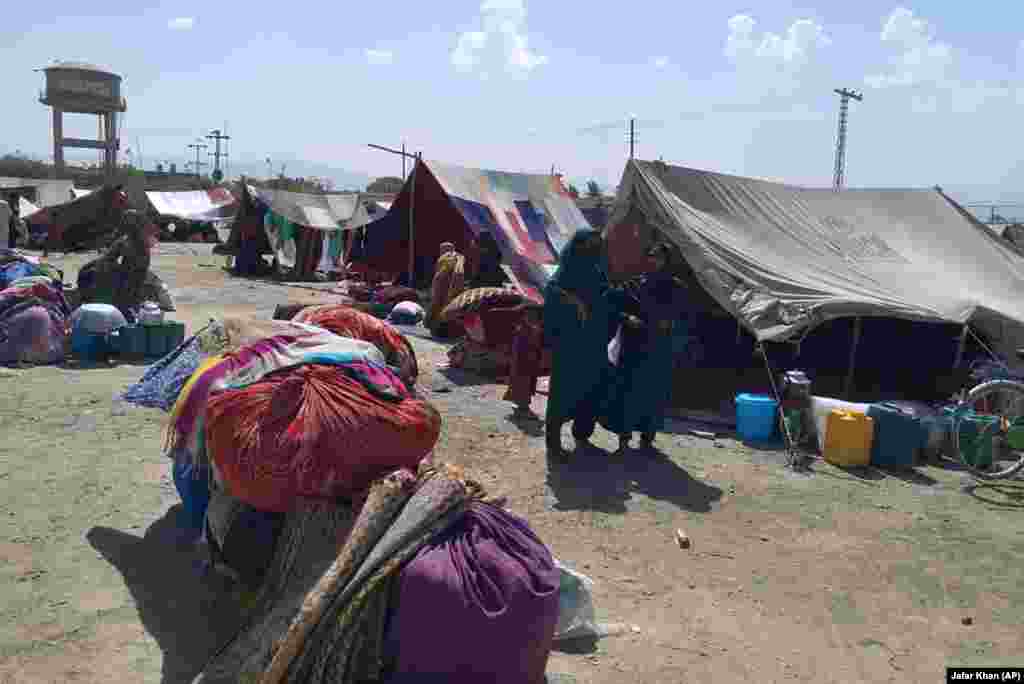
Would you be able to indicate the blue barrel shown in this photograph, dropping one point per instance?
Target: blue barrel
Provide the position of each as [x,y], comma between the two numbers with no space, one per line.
[756,417]
[88,346]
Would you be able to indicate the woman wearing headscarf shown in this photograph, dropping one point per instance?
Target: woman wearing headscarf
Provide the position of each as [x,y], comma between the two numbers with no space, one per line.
[449,282]
[642,384]
[580,313]
[129,256]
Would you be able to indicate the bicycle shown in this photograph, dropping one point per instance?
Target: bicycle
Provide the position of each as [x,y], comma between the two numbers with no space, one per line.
[1001,404]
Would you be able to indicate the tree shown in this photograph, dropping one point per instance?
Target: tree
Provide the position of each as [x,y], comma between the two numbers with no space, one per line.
[310,186]
[386,184]
[593,189]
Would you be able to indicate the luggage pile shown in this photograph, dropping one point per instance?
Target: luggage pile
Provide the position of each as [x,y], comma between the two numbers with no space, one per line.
[34,321]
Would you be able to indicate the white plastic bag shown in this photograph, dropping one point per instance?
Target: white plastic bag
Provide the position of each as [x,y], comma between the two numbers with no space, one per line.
[576,619]
[575,606]
[615,348]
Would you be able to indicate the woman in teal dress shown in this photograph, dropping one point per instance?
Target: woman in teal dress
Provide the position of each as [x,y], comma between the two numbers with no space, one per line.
[581,311]
[642,382]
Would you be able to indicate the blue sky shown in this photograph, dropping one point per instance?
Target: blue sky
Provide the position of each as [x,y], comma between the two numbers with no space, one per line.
[520,85]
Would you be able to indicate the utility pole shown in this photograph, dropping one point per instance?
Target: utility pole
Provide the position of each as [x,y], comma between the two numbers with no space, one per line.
[401,152]
[216,136]
[632,135]
[197,146]
[844,105]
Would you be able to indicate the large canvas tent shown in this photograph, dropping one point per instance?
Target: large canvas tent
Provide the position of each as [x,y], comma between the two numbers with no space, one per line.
[85,222]
[302,231]
[216,204]
[530,216]
[784,261]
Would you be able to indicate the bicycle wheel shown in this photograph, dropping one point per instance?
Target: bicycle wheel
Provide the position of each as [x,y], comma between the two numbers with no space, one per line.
[1002,410]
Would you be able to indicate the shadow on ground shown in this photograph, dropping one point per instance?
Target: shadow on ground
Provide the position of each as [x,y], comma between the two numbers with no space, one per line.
[462,378]
[189,616]
[595,480]
[532,426]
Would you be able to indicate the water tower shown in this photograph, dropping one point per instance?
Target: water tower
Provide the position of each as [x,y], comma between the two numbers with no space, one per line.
[84,89]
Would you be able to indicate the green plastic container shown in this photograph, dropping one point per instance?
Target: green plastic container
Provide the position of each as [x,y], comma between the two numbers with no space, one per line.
[129,341]
[163,338]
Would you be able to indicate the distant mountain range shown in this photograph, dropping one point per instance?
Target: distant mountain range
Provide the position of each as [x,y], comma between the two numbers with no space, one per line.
[294,168]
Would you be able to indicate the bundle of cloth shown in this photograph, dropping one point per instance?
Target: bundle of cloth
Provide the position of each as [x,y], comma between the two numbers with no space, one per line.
[490,317]
[325,428]
[347,321]
[34,322]
[354,588]
[406,313]
[15,266]
[394,294]
[259,408]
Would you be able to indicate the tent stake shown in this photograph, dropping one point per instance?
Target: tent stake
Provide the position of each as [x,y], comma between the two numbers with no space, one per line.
[848,385]
[961,347]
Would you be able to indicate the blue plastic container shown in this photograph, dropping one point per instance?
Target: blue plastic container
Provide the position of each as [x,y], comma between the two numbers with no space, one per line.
[88,346]
[900,437]
[756,417]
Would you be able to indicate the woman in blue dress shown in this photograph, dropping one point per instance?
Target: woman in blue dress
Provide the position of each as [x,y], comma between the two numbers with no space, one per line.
[581,311]
[642,382]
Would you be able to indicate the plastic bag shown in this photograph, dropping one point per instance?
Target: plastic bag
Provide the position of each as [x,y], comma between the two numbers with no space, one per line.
[575,606]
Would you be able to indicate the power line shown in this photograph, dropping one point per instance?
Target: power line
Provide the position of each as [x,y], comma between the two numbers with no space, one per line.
[844,105]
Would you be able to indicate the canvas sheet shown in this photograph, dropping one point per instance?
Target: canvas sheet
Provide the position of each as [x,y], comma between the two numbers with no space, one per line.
[367,212]
[531,216]
[783,259]
[26,208]
[322,212]
[195,205]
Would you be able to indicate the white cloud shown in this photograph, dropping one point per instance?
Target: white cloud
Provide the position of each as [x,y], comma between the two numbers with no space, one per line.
[660,62]
[921,58]
[793,50]
[501,42]
[181,23]
[380,57]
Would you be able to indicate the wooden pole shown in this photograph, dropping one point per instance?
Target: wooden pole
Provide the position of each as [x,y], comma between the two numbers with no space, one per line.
[848,385]
[961,347]
[412,236]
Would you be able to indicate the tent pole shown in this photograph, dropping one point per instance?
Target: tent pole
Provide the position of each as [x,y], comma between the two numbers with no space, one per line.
[848,385]
[961,347]
[412,206]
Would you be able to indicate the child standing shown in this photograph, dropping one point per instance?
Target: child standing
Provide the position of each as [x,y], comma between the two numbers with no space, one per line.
[527,353]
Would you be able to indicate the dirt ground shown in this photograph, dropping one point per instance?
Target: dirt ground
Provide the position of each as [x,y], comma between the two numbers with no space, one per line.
[827,577]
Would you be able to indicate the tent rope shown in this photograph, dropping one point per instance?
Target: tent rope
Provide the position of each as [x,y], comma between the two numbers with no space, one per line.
[792,459]
[988,350]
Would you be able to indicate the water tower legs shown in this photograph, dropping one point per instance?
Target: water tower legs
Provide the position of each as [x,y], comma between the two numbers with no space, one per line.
[58,142]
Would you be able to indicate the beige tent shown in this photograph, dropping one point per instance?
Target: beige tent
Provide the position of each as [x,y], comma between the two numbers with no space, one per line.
[783,259]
